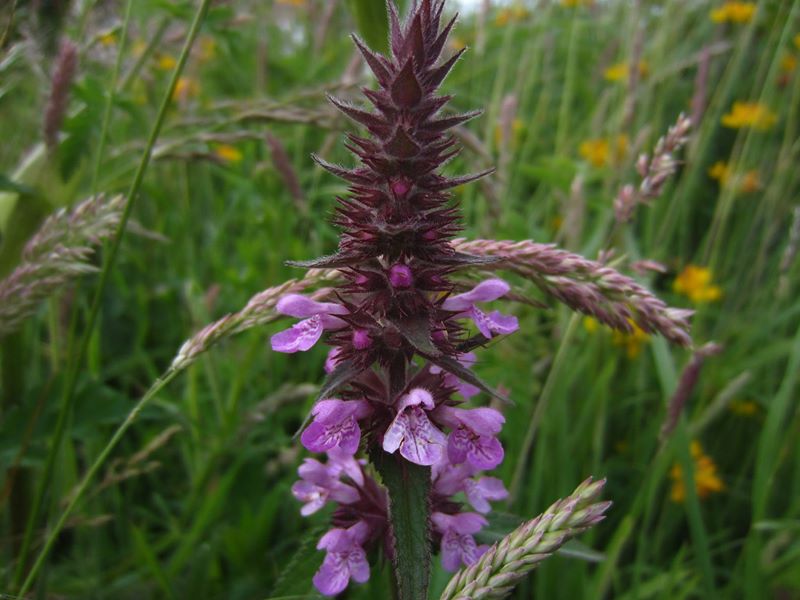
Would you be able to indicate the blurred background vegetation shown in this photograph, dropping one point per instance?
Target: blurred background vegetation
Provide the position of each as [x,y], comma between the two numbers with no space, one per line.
[194,501]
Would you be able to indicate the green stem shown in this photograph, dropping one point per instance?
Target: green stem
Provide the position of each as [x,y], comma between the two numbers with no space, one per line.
[71,379]
[90,474]
[12,364]
[530,435]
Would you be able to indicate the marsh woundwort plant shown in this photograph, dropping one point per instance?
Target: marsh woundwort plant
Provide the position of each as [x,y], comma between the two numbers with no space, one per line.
[402,325]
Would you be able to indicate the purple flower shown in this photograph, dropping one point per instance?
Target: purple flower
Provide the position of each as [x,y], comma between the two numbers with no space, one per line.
[486,291]
[480,491]
[467,390]
[400,276]
[449,479]
[335,425]
[473,436]
[319,483]
[345,559]
[458,545]
[317,317]
[332,359]
[412,431]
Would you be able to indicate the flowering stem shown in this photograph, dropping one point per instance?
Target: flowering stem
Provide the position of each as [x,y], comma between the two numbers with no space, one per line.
[74,367]
[408,485]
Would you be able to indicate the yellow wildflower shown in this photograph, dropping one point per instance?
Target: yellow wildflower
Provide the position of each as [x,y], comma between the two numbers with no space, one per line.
[185,89]
[734,12]
[109,38]
[295,3]
[749,114]
[695,283]
[788,63]
[517,127]
[572,3]
[514,13]
[139,47]
[228,153]
[721,172]
[747,183]
[620,71]
[744,408]
[750,182]
[632,342]
[166,62]
[456,43]
[706,480]
[590,324]
[599,152]
[208,49]
[797,41]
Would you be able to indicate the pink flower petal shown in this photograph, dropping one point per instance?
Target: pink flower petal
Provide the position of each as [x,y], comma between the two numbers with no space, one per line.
[486,291]
[295,305]
[300,337]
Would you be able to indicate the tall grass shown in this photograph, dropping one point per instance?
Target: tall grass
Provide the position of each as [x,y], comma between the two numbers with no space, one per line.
[193,500]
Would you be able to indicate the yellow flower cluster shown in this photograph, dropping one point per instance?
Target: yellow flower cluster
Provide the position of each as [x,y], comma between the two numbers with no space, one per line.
[601,152]
[619,71]
[695,283]
[185,89]
[734,12]
[229,154]
[207,49]
[572,3]
[749,114]
[797,41]
[788,63]
[166,62]
[746,183]
[632,342]
[517,129]
[706,480]
[109,38]
[456,43]
[744,408]
[512,14]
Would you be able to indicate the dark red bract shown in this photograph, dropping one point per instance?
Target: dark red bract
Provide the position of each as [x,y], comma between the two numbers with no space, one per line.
[398,220]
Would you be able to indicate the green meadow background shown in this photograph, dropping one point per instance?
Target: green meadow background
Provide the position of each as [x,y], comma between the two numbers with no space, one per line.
[194,500]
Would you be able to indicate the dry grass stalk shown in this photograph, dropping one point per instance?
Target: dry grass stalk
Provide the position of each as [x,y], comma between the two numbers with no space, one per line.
[586,286]
[59,252]
[582,284]
[655,171]
[283,165]
[686,385]
[259,310]
[63,75]
[506,562]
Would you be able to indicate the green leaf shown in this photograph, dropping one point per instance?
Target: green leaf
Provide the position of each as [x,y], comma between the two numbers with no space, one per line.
[417,332]
[7,185]
[408,486]
[295,579]
[557,171]
[372,22]
[451,365]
